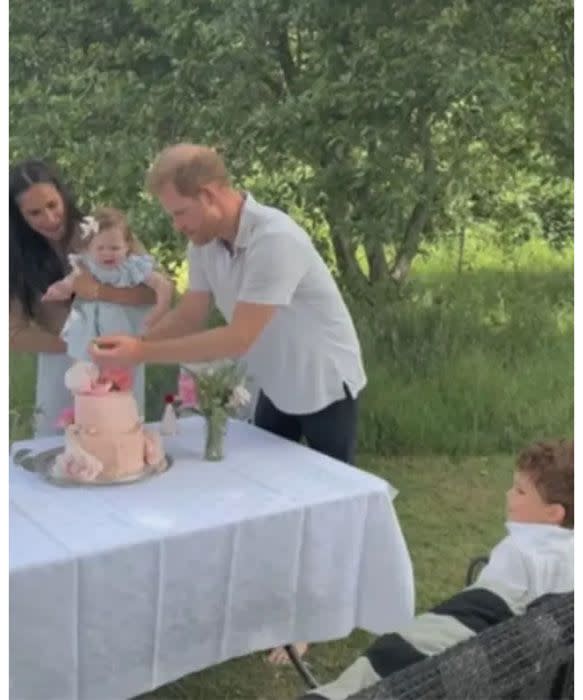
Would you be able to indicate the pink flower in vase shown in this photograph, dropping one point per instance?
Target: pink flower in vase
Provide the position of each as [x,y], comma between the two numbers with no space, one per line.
[66,417]
[187,392]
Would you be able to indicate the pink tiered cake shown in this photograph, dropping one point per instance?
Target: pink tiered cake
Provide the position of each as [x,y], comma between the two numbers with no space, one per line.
[106,441]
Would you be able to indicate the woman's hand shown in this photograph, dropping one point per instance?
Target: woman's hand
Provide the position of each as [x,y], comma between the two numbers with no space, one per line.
[85,286]
[59,291]
[60,345]
[117,350]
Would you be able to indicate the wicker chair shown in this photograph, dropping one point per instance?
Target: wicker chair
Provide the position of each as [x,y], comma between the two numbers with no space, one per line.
[530,657]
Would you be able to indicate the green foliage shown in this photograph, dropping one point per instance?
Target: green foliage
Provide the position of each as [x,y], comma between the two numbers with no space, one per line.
[388,130]
[381,123]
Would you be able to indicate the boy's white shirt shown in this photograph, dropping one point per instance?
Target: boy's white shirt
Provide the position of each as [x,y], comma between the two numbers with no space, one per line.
[531,561]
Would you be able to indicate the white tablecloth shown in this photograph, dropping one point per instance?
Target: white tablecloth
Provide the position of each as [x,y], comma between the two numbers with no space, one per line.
[117,590]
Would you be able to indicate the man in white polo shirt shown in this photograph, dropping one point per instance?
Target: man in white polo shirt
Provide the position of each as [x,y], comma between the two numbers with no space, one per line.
[285,315]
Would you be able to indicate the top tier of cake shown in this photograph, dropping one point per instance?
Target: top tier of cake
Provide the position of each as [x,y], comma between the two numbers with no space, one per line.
[115,412]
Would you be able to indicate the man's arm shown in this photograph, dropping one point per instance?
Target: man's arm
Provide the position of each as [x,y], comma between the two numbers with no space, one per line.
[274,268]
[188,316]
[232,340]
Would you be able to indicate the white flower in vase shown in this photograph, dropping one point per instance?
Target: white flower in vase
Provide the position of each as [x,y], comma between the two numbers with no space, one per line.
[240,397]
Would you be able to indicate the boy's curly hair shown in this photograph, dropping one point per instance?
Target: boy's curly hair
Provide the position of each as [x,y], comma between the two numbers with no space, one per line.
[551,466]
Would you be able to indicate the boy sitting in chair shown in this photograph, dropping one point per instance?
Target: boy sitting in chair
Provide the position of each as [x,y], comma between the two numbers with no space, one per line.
[534,559]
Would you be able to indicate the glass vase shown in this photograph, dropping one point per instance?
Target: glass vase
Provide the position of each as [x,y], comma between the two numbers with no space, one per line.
[216,428]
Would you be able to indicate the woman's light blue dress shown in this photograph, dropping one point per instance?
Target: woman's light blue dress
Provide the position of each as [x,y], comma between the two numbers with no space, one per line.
[52,396]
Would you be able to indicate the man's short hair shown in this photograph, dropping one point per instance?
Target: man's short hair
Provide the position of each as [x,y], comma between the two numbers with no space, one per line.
[187,167]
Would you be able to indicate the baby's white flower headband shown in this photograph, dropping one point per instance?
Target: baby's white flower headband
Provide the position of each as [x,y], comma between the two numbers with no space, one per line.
[89,227]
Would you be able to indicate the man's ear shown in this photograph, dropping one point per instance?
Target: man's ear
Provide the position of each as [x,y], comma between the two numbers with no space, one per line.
[209,196]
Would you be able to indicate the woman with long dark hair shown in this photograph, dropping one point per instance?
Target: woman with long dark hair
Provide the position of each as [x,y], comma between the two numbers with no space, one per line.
[44,229]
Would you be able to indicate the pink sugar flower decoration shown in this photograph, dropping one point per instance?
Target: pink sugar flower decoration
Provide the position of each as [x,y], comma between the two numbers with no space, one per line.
[119,377]
[82,469]
[187,393]
[153,450]
[81,377]
[76,466]
[66,417]
[101,387]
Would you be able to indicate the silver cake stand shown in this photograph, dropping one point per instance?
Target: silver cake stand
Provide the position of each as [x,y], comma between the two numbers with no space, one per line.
[42,463]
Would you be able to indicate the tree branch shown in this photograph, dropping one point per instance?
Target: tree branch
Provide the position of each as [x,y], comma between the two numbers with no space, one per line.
[286,61]
[274,85]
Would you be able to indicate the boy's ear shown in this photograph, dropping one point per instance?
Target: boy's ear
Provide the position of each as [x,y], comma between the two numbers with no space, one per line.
[556,513]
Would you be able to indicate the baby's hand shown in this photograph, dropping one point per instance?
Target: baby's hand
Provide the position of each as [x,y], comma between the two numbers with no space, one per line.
[59,291]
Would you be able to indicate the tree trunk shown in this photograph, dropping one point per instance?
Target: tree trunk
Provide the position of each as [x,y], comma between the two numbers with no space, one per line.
[344,249]
[421,211]
[345,253]
[377,262]
[410,243]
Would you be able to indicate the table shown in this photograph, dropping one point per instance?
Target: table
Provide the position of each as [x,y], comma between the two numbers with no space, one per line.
[116,590]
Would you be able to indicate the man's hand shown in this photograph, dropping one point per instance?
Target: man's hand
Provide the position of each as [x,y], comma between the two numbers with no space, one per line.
[117,350]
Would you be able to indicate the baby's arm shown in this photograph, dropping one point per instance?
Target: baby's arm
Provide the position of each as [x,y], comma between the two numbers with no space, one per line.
[164,290]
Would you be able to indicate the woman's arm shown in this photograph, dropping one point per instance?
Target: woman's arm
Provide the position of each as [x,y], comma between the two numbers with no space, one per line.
[85,286]
[164,291]
[163,288]
[27,336]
